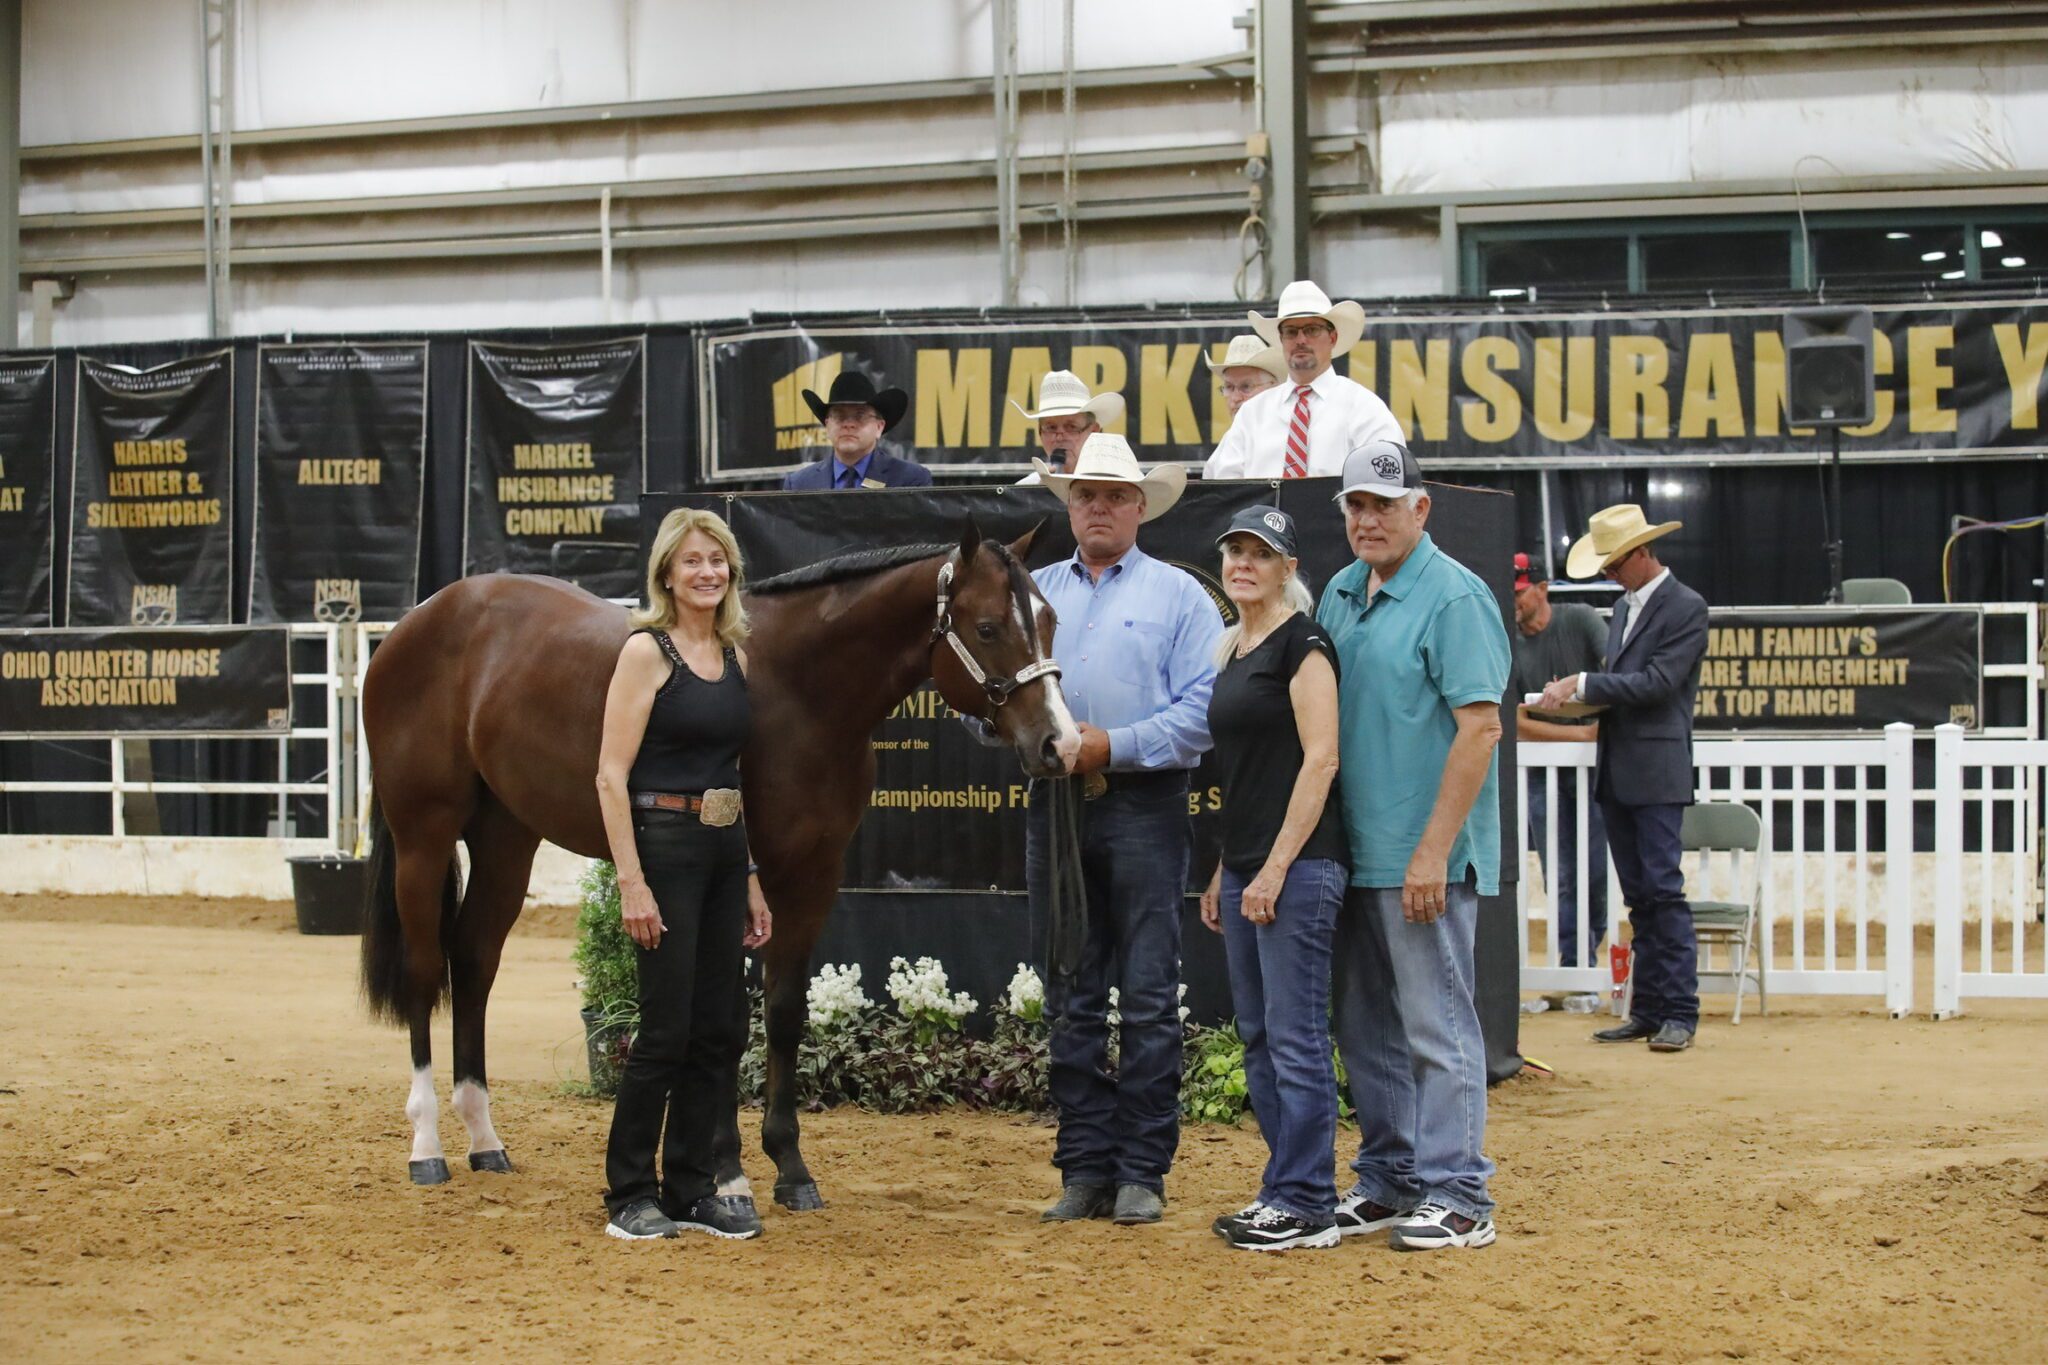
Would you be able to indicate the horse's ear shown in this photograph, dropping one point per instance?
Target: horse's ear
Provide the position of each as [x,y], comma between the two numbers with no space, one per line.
[1021,546]
[970,540]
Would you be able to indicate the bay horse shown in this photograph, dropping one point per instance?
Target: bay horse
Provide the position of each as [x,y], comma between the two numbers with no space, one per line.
[483,710]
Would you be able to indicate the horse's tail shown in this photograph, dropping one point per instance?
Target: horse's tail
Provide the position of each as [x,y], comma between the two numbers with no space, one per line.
[387,976]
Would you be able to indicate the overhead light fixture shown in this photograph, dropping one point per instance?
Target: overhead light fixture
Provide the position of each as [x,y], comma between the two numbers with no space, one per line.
[1989,238]
[1951,274]
[1507,293]
[1897,236]
[2012,262]
[1932,255]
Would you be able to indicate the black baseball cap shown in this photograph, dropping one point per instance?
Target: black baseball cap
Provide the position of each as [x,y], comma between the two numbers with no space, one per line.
[1383,468]
[1269,524]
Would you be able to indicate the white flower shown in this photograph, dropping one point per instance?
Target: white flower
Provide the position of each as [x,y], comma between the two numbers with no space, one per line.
[920,991]
[1182,996]
[1026,994]
[1116,1016]
[835,995]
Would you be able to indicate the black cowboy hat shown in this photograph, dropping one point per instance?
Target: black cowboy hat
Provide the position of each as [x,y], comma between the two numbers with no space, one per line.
[851,386]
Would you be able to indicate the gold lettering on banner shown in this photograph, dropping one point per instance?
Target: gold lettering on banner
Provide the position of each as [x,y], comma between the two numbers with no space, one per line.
[1362,364]
[570,455]
[1927,378]
[144,499]
[1220,417]
[1166,416]
[149,452]
[1711,397]
[334,473]
[1797,672]
[953,394]
[984,800]
[1420,390]
[1564,388]
[1883,402]
[1028,365]
[1104,369]
[1497,416]
[2025,361]
[1637,405]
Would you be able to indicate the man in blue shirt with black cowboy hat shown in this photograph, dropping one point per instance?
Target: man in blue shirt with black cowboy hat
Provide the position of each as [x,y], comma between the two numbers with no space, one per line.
[855,414]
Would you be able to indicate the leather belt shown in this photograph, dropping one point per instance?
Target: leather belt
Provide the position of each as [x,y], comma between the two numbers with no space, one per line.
[718,807]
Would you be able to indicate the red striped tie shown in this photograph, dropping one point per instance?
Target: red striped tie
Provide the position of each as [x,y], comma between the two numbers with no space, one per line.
[1297,438]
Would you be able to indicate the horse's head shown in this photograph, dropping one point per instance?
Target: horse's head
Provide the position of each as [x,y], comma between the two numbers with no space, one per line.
[992,651]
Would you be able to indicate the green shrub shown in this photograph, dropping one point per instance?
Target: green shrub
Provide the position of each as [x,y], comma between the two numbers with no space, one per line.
[608,976]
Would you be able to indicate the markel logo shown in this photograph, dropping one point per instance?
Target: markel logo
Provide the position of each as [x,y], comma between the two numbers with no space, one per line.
[796,427]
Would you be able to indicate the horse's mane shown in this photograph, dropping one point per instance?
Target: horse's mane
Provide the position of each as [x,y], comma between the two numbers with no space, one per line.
[840,568]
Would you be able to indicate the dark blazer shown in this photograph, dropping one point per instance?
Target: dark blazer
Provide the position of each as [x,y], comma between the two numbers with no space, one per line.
[1646,733]
[888,470]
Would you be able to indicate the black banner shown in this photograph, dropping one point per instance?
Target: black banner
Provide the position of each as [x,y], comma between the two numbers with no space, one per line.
[160,680]
[1829,669]
[947,811]
[151,493]
[28,472]
[341,436]
[557,459]
[1472,390]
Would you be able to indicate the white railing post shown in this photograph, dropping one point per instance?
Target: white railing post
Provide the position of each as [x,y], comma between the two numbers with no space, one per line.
[1898,869]
[1948,871]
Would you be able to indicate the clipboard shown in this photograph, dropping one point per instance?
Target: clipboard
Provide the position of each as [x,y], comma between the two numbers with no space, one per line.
[1571,710]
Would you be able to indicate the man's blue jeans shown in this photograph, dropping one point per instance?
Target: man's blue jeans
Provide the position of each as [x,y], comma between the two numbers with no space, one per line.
[1409,1035]
[1135,849]
[1563,880]
[1647,850]
[1280,988]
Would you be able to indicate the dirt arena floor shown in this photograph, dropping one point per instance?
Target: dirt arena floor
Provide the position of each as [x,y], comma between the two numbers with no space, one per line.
[202,1157]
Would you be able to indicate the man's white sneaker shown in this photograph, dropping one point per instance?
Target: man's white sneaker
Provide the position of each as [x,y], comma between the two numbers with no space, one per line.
[1434,1226]
[1357,1215]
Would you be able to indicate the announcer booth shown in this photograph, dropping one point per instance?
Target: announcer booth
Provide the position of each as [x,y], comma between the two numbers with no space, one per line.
[937,866]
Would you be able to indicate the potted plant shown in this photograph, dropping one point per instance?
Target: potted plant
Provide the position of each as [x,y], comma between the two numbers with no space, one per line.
[608,976]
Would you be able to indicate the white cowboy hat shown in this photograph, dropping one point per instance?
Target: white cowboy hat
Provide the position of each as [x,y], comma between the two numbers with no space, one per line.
[1251,351]
[1106,458]
[1612,533]
[1062,394]
[1303,299]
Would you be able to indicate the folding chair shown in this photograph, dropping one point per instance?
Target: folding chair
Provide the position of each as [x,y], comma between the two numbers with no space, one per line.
[1728,828]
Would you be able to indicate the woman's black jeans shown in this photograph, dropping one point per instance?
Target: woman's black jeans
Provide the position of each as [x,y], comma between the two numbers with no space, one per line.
[684,1064]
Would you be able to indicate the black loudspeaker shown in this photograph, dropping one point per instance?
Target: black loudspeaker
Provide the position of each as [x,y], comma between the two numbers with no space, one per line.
[1828,368]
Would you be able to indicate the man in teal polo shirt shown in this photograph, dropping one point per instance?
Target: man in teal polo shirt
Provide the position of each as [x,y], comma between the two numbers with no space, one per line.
[1423,659]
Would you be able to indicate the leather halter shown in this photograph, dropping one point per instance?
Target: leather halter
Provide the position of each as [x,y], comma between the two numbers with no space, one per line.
[997,689]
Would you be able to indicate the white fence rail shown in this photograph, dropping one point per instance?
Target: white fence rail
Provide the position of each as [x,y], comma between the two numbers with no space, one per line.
[1843,886]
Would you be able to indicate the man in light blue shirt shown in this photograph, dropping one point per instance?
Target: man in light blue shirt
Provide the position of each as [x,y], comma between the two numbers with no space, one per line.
[1135,640]
[1423,656]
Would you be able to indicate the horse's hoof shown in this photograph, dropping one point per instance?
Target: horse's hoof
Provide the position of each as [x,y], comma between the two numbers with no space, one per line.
[491,1161]
[432,1171]
[800,1198]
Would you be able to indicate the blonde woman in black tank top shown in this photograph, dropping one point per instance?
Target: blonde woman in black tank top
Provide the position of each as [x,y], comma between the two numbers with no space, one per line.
[667,782]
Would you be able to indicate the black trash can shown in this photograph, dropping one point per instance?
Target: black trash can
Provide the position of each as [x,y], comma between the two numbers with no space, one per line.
[327,890]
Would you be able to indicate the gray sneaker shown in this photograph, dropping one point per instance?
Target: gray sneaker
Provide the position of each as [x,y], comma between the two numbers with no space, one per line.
[1135,1205]
[730,1216]
[1081,1200]
[640,1221]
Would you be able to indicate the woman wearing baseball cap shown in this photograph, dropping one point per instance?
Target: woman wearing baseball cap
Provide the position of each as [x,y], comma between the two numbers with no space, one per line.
[1278,887]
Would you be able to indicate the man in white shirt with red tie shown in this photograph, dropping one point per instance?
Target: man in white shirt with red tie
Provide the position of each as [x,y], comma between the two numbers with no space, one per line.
[1305,425]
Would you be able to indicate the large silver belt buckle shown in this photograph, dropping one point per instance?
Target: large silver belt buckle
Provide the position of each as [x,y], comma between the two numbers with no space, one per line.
[721,806]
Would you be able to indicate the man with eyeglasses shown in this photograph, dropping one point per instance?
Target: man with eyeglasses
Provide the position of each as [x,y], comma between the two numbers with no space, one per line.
[1304,426]
[854,414]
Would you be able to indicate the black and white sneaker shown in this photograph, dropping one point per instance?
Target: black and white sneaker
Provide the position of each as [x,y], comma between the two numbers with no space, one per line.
[1358,1215]
[640,1221]
[1225,1221]
[1435,1226]
[730,1216]
[1277,1230]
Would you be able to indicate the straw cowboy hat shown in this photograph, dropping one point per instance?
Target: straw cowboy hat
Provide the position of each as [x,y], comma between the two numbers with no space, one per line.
[1062,394]
[1107,458]
[1303,299]
[1612,533]
[1251,351]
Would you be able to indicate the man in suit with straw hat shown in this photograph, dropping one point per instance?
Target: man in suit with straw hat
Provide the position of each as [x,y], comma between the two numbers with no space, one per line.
[1643,778]
[1135,641]
[1068,415]
[1305,425]
[855,414]
[1249,367]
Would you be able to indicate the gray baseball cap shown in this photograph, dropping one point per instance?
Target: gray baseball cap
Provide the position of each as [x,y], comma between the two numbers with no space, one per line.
[1383,468]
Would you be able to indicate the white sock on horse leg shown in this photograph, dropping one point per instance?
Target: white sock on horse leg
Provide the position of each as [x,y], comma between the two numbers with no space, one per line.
[737,1185]
[423,1107]
[473,1102]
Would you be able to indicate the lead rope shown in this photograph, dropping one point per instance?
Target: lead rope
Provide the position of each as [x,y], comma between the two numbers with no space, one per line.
[1067,895]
